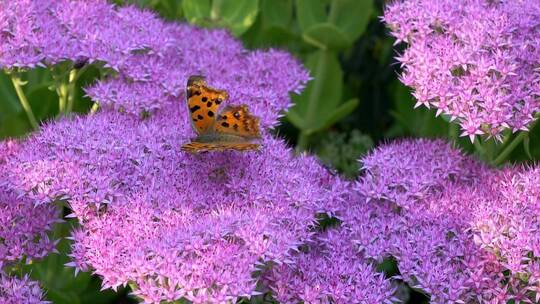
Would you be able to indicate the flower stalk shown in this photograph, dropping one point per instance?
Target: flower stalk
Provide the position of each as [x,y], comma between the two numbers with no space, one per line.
[18,83]
[501,157]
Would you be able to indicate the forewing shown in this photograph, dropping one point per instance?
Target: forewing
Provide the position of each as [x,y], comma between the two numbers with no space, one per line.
[203,103]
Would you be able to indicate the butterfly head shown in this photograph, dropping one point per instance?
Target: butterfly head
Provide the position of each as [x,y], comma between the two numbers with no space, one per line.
[196,80]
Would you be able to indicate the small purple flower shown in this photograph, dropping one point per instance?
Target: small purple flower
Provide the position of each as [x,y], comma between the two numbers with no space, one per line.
[23,226]
[475,61]
[331,271]
[406,171]
[17,291]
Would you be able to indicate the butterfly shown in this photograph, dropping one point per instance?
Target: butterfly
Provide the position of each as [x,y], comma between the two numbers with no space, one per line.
[232,128]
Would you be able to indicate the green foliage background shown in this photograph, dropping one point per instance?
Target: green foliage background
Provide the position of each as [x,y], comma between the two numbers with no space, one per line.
[353,103]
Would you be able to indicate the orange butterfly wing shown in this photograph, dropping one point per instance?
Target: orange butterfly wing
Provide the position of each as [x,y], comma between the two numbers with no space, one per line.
[203,103]
[198,147]
[236,120]
[233,128]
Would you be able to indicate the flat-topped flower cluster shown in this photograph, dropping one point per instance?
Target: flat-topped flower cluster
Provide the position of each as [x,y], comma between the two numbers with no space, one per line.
[475,60]
[459,231]
[218,227]
[170,224]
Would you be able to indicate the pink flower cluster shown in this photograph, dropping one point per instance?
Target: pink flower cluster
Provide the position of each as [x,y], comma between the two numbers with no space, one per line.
[23,235]
[460,232]
[17,291]
[152,58]
[175,225]
[225,226]
[171,224]
[329,269]
[475,60]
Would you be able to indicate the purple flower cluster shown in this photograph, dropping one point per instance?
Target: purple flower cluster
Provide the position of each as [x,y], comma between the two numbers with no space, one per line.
[220,226]
[23,226]
[459,232]
[152,58]
[173,225]
[475,61]
[331,271]
[17,291]
[23,235]
[46,32]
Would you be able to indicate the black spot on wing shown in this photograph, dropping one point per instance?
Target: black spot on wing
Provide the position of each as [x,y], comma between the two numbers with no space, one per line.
[209,104]
[210,113]
[235,127]
[200,116]
[194,108]
[224,124]
[218,100]
[204,99]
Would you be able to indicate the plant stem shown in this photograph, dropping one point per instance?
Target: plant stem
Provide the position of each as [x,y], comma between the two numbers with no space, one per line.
[303,142]
[513,144]
[509,148]
[94,108]
[479,148]
[73,75]
[17,84]
[453,132]
[320,71]
[62,97]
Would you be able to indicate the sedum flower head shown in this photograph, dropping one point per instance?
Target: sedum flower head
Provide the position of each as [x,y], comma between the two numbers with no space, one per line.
[174,225]
[405,171]
[475,61]
[465,234]
[23,227]
[152,59]
[47,31]
[16,291]
[331,271]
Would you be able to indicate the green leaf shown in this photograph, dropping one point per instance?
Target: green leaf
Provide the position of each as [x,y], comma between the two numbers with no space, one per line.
[8,98]
[237,15]
[314,108]
[261,36]
[352,16]
[326,36]
[342,111]
[527,146]
[334,24]
[342,151]
[170,9]
[276,13]
[295,119]
[419,122]
[196,10]
[310,13]
[13,124]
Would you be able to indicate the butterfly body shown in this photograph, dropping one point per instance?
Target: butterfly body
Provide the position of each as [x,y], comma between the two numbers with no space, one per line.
[232,128]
